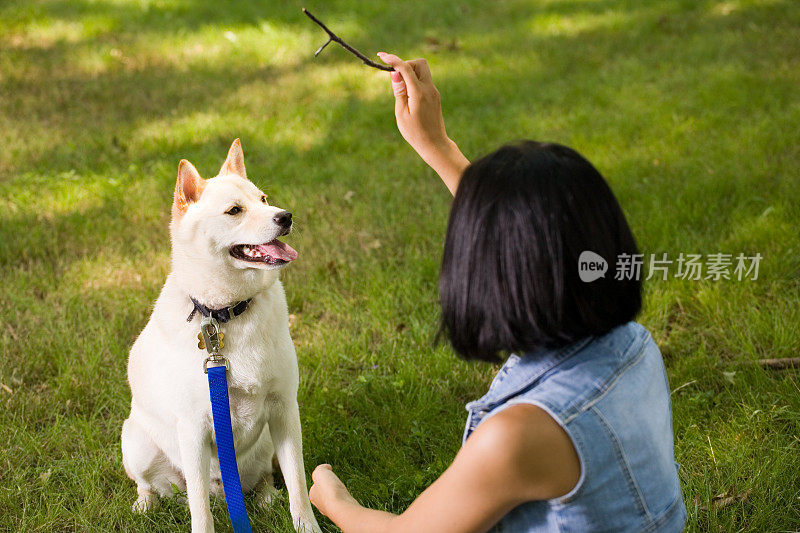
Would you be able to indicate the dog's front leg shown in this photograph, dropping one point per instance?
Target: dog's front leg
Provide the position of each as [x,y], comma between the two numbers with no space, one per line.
[287,438]
[194,440]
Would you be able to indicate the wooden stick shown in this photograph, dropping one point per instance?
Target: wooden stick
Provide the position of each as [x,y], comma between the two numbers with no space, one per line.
[780,364]
[335,38]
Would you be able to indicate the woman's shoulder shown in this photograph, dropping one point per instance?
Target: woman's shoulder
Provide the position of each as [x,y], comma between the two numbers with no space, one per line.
[529,448]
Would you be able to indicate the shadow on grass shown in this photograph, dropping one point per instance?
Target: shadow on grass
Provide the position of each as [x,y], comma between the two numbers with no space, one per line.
[89,115]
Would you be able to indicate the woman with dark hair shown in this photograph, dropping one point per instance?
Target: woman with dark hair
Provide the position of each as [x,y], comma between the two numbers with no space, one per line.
[575,432]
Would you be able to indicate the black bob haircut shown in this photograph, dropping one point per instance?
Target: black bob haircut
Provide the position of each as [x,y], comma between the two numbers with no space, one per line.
[520,219]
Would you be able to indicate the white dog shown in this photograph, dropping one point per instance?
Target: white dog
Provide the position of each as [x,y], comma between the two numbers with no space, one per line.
[224,252]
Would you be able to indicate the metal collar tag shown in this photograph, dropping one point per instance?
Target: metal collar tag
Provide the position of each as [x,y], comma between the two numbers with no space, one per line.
[210,339]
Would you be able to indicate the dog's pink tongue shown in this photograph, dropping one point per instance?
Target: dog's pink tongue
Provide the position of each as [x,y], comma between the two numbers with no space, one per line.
[278,250]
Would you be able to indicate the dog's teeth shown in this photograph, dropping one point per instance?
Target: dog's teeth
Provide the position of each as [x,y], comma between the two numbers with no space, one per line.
[251,251]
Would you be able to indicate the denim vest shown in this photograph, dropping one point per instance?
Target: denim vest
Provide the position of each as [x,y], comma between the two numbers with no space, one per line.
[610,394]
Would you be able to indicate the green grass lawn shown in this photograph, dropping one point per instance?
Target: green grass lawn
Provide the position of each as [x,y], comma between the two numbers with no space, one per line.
[691,109]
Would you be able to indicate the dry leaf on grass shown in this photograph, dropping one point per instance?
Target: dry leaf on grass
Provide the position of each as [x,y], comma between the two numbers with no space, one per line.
[726,499]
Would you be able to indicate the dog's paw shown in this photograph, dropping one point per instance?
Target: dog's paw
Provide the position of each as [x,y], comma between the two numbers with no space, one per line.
[305,524]
[144,503]
[267,495]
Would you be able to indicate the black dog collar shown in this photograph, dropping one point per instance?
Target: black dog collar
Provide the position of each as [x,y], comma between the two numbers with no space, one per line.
[220,315]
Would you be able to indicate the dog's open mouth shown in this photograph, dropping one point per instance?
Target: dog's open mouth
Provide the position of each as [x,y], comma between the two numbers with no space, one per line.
[270,253]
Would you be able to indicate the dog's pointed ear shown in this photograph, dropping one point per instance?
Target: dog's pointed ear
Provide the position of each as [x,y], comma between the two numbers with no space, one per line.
[188,188]
[234,164]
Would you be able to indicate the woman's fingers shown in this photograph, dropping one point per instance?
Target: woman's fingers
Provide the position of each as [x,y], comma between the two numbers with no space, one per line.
[327,489]
[400,95]
[319,471]
[422,70]
[318,491]
[406,71]
[398,85]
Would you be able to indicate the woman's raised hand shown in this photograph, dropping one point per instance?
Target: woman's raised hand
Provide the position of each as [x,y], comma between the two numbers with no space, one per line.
[417,105]
[418,111]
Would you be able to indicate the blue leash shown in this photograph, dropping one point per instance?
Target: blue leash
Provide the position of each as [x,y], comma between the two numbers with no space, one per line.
[221,411]
[211,339]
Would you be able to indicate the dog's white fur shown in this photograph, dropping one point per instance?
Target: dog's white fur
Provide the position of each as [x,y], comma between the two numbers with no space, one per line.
[168,437]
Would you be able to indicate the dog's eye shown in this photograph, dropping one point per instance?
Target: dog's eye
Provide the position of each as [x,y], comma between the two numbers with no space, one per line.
[235,210]
[263,198]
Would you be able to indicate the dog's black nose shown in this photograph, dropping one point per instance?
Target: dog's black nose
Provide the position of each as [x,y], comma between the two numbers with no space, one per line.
[283,219]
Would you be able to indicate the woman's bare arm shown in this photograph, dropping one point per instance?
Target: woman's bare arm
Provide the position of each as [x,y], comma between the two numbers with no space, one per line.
[418,111]
[518,455]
